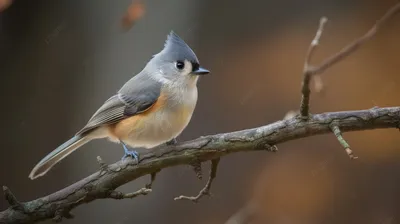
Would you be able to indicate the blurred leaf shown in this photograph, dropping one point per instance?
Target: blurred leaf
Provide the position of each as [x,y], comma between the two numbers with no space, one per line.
[4,4]
[135,11]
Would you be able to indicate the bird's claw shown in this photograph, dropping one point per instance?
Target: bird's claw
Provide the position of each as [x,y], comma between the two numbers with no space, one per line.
[172,142]
[131,153]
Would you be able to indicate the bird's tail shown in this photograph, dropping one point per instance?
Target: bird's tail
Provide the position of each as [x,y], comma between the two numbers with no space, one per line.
[57,155]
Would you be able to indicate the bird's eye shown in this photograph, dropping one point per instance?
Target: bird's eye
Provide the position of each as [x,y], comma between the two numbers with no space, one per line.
[180,65]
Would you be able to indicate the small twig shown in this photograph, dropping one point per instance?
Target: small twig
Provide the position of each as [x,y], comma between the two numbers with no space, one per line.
[309,70]
[314,43]
[152,179]
[271,148]
[143,191]
[119,195]
[62,213]
[206,189]
[336,130]
[196,165]
[11,199]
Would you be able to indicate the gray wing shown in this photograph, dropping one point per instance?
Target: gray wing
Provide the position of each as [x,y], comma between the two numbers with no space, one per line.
[135,97]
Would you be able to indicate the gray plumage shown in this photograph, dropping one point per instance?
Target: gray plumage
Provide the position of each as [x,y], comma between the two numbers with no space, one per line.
[135,97]
[176,49]
[161,75]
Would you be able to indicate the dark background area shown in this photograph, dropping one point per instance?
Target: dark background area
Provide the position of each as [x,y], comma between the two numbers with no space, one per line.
[59,61]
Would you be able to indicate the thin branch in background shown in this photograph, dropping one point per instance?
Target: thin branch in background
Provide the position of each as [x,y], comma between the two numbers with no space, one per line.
[308,70]
[206,190]
[350,48]
[336,130]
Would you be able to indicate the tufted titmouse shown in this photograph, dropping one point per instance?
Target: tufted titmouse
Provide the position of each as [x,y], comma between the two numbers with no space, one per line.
[152,108]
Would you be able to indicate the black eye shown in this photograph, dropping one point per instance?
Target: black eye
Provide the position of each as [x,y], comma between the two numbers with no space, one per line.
[180,65]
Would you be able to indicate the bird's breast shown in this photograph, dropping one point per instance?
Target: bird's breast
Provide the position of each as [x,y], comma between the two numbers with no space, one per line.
[164,121]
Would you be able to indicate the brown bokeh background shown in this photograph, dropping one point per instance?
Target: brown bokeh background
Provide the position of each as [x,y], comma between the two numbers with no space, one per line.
[59,60]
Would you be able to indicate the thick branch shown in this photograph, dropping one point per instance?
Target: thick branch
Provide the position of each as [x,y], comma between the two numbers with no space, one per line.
[99,184]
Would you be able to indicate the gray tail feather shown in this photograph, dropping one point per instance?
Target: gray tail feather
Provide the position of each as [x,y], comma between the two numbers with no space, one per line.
[57,155]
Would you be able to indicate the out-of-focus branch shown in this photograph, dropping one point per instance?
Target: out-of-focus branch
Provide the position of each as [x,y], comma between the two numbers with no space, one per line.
[310,70]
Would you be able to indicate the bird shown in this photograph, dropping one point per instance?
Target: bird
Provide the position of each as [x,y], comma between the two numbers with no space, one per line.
[150,109]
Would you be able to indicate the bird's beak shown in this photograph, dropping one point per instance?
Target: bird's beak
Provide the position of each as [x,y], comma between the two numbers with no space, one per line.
[200,71]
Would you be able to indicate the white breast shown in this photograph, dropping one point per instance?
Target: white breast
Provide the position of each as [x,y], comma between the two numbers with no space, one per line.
[166,123]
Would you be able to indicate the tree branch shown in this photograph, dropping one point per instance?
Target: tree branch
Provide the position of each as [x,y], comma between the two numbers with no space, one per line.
[99,184]
[103,183]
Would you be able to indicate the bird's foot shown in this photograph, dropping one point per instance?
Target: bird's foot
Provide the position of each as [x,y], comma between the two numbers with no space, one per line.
[132,153]
[172,142]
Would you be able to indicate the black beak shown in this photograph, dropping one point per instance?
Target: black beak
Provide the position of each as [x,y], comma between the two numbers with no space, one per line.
[200,71]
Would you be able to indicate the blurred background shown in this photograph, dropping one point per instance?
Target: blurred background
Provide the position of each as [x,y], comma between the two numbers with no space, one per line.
[59,61]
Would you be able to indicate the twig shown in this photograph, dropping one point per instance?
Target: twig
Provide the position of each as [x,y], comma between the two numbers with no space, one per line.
[143,191]
[11,199]
[206,189]
[62,213]
[308,70]
[337,57]
[336,130]
[152,179]
[119,195]
[196,165]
